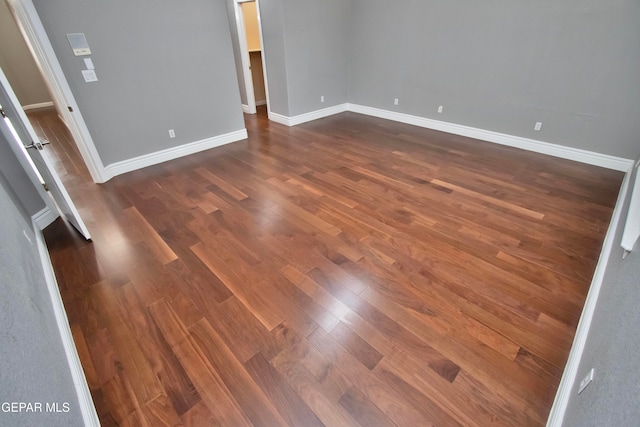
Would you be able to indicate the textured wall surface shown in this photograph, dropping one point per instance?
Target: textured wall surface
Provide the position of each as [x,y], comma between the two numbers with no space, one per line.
[612,349]
[34,368]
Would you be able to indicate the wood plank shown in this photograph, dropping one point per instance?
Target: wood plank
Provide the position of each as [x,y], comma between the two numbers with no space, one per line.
[178,388]
[158,246]
[132,358]
[318,396]
[393,405]
[207,381]
[292,408]
[222,184]
[245,391]
[363,410]
[266,313]
[344,271]
[497,202]
[359,348]
[85,357]
[160,412]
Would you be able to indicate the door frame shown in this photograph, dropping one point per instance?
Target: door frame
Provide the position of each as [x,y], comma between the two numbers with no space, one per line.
[42,51]
[35,164]
[245,58]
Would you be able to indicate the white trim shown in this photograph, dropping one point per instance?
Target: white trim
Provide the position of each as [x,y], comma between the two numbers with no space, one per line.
[584,156]
[38,105]
[631,231]
[566,387]
[264,58]
[44,218]
[40,46]
[58,192]
[247,110]
[143,161]
[244,58]
[278,118]
[307,117]
[21,155]
[564,152]
[88,410]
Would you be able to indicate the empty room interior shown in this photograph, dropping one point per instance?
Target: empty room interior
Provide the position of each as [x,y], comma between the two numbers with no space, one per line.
[336,213]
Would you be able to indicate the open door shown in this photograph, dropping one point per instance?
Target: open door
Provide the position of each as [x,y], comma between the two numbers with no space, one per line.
[34,34]
[14,117]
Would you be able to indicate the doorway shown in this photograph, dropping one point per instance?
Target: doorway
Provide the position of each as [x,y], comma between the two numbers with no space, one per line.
[28,149]
[248,25]
[33,33]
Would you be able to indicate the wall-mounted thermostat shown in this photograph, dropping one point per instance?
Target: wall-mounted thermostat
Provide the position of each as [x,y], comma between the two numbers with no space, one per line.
[79,44]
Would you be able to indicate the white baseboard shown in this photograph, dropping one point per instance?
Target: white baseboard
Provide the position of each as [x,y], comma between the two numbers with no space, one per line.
[631,232]
[307,117]
[279,118]
[564,152]
[246,109]
[259,103]
[567,383]
[44,218]
[38,105]
[140,162]
[583,156]
[87,408]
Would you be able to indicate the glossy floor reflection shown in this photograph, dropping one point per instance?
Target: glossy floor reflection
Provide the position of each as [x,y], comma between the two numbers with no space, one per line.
[347,271]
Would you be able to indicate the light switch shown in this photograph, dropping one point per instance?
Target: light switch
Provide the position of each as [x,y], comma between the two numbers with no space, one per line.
[89,64]
[89,76]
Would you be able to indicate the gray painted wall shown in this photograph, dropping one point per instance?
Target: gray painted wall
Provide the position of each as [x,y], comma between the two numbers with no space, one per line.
[18,64]
[34,366]
[273,40]
[574,65]
[317,53]
[161,65]
[17,177]
[306,46]
[612,348]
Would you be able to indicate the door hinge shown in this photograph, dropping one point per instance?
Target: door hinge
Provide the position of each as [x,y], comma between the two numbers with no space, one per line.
[2,113]
[70,108]
[44,184]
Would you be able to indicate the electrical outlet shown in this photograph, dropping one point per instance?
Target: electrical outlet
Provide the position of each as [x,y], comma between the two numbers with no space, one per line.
[538,126]
[172,133]
[322,98]
[440,109]
[395,101]
[586,381]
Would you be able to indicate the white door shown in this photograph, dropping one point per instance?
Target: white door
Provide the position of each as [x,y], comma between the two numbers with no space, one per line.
[12,111]
[245,57]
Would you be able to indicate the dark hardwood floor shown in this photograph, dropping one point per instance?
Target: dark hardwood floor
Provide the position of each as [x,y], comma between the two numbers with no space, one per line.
[348,271]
